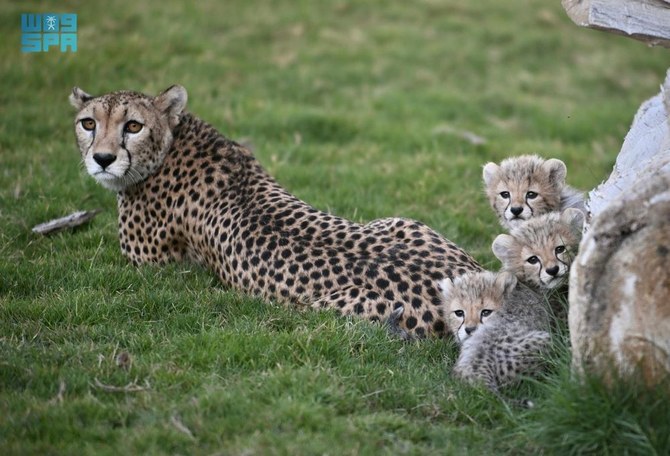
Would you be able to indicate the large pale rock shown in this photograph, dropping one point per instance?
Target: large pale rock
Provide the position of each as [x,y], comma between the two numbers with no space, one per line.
[620,287]
[619,314]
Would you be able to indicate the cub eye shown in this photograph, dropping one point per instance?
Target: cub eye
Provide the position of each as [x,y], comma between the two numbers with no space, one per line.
[504,195]
[560,249]
[531,195]
[132,127]
[486,313]
[88,124]
[533,260]
[459,313]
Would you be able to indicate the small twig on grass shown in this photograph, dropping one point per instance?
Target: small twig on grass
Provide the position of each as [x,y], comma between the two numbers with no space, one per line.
[469,136]
[373,393]
[58,399]
[129,388]
[181,427]
[69,221]
[95,255]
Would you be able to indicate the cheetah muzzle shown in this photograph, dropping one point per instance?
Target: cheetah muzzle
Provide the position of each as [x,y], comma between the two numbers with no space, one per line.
[185,192]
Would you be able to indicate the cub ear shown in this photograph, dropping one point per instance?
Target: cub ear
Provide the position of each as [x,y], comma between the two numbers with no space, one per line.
[556,170]
[506,282]
[504,247]
[78,98]
[447,287]
[172,102]
[490,172]
[574,218]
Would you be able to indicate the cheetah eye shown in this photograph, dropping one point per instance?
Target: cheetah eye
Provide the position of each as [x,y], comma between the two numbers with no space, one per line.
[485,313]
[531,195]
[504,195]
[459,313]
[132,127]
[560,249]
[533,260]
[88,124]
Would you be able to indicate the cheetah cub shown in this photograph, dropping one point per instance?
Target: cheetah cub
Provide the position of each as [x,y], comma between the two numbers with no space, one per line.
[511,341]
[470,302]
[528,186]
[539,252]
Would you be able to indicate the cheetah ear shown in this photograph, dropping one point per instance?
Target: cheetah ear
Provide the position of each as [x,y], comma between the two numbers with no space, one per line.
[504,247]
[78,98]
[506,282]
[574,218]
[490,172]
[172,102]
[447,287]
[556,170]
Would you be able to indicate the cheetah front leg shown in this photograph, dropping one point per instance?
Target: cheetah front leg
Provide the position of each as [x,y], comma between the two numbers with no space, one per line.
[498,361]
[145,235]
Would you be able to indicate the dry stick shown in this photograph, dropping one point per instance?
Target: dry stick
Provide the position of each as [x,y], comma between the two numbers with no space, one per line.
[58,399]
[69,221]
[129,388]
[181,427]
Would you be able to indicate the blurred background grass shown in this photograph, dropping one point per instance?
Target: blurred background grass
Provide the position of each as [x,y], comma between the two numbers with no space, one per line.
[362,108]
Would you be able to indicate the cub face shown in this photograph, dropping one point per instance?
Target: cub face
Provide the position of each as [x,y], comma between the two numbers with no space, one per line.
[472,299]
[524,187]
[124,136]
[541,251]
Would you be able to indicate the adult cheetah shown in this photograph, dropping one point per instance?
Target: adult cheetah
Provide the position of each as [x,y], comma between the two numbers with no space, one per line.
[187,192]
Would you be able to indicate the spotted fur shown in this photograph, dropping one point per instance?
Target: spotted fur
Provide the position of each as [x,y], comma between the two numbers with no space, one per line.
[528,186]
[185,192]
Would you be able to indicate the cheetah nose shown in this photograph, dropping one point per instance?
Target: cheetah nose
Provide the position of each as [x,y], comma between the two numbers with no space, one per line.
[470,329]
[516,210]
[104,160]
[552,271]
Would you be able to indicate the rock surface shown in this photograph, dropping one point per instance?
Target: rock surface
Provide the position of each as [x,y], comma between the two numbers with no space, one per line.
[619,314]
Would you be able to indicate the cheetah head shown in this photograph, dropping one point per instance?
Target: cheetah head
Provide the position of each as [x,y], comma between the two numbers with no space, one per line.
[541,251]
[473,298]
[524,187]
[124,136]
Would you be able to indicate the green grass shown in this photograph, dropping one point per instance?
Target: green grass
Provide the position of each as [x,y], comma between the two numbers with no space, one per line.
[356,107]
